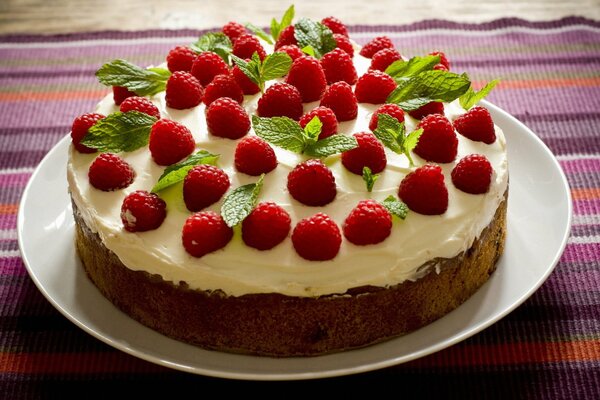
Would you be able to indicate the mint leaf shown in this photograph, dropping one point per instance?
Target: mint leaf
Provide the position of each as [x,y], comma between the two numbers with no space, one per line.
[395,207]
[471,97]
[144,82]
[260,33]
[283,132]
[239,203]
[249,68]
[316,35]
[217,42]
[429,86]
[369,178]
[120,132]
[309,50]
[275,66]
[333,144]
[393,136]
[286,20]
[313,129]
[410,142]
[402,70]
[177,172]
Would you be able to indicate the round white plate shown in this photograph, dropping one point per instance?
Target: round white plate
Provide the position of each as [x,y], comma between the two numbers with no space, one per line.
[539,218]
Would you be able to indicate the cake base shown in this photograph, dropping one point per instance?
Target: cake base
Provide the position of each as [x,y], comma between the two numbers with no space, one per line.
[278,325]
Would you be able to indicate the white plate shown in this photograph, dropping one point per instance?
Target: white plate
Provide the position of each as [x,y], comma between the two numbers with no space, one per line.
[539,218]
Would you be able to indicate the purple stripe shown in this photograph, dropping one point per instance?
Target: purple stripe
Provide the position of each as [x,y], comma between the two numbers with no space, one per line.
[12,266]
[585,230]
[11,195]
[14,180]
[8,244]
[583,165]
[18,159]
[581,252]
[88,55]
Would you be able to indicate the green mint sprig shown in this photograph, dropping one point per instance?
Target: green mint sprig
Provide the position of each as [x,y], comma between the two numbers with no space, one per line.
[393,136]
[272,67]
[471,97]
[395,207]
[176,173]
[316,35]
[402,70]
[144,82]
[369,177]
[286,133]
[120,132]
[240,202]
[217,42]
[276,26]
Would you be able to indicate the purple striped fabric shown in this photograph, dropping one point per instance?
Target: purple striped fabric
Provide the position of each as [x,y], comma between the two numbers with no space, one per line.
[547,348]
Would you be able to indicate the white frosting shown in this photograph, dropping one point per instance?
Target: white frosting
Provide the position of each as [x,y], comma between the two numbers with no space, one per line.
[238,269]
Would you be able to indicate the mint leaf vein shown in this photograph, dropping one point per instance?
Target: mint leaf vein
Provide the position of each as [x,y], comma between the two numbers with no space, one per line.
[144,82]
[240,202]
[120,132]
[177,172]
[316,35]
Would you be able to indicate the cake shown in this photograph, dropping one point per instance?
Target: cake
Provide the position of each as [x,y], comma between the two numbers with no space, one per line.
[384,279]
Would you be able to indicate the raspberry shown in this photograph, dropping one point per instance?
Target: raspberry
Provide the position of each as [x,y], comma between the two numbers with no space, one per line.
[384,58]
[368,223]
[223,86]
[233,30]
[379,43]
[286,37]
[205,232]
[338,66]
[208,65]
[254,156]
[438,143]
[335,25]
[307,75]
[424,191]
[392,110]
[227,119]
[110,172]
[312,183]
[344,43]
[317,238]
[434,107]
[142,211]
[369,153]
[266,226]
[246,45]
[183,91]
[247,86]
[327,118]
[292,50]
[170,142]
[141,104]
[204,185]
[374,87]
[180,58]
[342,101]
[473,174]
[121,93]
[281,99]
[443,59]
[80,128]
[476,124]
[440,67]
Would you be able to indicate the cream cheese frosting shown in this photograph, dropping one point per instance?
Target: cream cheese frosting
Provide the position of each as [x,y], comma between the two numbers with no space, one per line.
[238,269]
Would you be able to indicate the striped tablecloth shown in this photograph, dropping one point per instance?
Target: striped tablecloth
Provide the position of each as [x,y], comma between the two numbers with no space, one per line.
[548,348]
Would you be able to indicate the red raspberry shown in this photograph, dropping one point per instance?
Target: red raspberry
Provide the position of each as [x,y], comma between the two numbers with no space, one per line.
[312,183]
[443,59]
[170,142]
[142,211]
[384,58]
[342,101]
[438,143]
[379,43]
[327,118]
[183,91]
[440,67]
[476,124]
[80,128]
[121,93]
[141,104]
[208,65]
[281,99]
[205,232]
[233,30]
[434,107]
[180,58]
[369,153]
[473,174]
[110,172]
[266,226]
[204,185]
[317,238]
[307,75]
[368,223]
[246,45]
[286,37]
[254,156]
[227,119]
[247,86]
[392,110]
[338,66]
[374,87]
[344,43]
[292,50]
[335,25]
[223,86]
[424,191]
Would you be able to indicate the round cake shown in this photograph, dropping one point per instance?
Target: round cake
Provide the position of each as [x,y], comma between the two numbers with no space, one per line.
[304,293]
